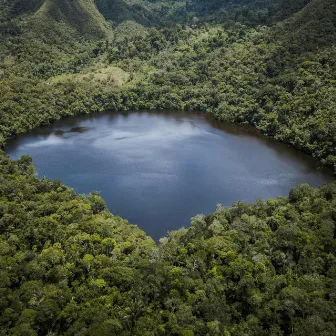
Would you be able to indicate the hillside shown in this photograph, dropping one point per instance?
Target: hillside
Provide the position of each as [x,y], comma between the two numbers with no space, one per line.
[21,7]
[57,21]
[158,12]
[249,12]
[279,90]
[121,10]
[69,267]
[80,15]
[283,9]
[312,27]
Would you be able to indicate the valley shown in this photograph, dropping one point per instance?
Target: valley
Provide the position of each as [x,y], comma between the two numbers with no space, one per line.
[70,265]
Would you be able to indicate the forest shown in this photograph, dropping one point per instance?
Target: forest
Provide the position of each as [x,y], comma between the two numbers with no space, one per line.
[70,267]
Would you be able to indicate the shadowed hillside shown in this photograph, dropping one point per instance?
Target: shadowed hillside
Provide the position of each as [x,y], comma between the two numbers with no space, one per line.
[284,8]
[20,7]
[313,26]
[119,11]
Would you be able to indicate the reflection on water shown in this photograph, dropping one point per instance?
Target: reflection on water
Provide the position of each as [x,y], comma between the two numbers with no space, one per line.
[158,169]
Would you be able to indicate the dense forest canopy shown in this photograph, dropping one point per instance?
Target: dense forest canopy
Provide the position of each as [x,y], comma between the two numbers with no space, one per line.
[69,267]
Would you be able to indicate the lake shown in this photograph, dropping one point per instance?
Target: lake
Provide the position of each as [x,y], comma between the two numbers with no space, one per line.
[158,169]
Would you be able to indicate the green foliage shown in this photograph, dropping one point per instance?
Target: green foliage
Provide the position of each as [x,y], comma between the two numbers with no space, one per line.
[69,267]
[236,73]
[311,28]
[118,11]
[63,256]
[28,26]
[81,15]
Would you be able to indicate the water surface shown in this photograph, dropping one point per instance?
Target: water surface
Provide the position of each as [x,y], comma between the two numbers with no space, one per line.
[158,169]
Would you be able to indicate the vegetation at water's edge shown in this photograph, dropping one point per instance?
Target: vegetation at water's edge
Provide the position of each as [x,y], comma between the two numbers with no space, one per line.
[280,79]
[69,267]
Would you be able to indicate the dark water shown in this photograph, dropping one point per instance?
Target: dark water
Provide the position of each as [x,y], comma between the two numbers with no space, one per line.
[159,169]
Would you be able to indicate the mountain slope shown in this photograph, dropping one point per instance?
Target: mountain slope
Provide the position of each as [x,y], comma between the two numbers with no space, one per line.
[20,7]
[58,21]
[313,26]
[285,8]
[119,11]
[81,15]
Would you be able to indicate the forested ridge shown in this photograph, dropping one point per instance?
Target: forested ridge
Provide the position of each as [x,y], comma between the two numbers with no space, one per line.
[280,78]
[69,267]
